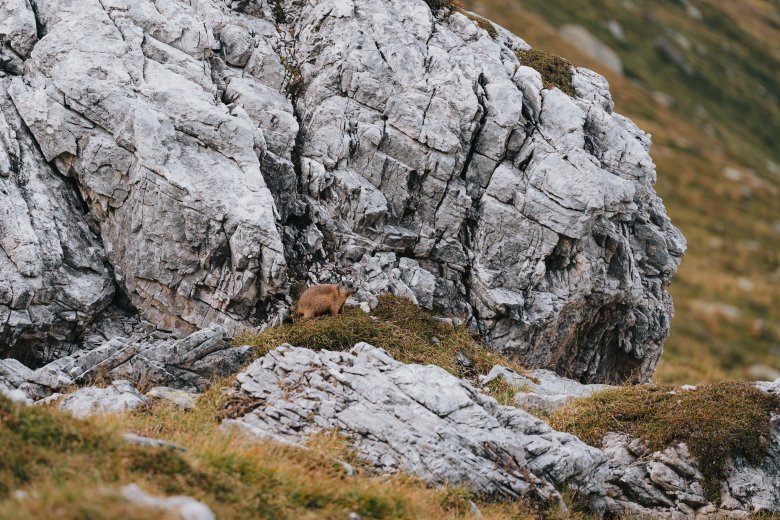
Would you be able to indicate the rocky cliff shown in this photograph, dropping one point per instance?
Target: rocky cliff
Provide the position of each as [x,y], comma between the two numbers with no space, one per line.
[192,162]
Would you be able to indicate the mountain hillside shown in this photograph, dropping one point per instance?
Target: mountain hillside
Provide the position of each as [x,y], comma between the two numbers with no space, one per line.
[702,77]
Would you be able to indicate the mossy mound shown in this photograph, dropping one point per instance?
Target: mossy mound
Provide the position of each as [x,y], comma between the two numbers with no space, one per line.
[555,70]
[717,421]
[406,331]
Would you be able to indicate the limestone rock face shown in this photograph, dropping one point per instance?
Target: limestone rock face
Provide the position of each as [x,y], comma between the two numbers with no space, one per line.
[419,419]
[226,148]
[53,274]
[188,364]
[425,421]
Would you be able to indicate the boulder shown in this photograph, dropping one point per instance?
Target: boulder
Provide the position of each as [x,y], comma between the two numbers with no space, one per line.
[118,397]
[414,418]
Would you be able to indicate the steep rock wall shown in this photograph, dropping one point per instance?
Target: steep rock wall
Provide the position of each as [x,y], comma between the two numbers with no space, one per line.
[226,149]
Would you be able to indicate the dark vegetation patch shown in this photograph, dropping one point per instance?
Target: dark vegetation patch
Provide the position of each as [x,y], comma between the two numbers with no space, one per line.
[717,422]
[555,70]
[437,5]
[406,331]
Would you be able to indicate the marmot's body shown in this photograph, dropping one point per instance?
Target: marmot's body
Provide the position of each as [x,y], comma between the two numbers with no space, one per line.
[320,300]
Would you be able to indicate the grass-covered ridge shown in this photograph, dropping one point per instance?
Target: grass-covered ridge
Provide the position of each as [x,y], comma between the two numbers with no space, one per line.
[716,421]
[406,331]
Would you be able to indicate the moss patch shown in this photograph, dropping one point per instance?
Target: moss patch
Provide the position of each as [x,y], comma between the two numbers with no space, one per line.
[406,331]
[437,5]
[555,70]
[717,421]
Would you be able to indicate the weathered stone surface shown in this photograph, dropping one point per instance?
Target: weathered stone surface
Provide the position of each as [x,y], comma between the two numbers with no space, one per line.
[423,420]
[118,397]
[170,173]
[187,508]
[420,419]
[188,365]
[220,150]
[186,400]
[53,278]
[543,390]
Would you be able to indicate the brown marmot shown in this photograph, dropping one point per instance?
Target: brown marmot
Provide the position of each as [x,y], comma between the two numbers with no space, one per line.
[319,300]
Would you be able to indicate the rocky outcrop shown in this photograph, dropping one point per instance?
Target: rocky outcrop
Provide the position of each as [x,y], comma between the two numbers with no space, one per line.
[425,421]
[53,276]
[189,364]
[224,149]
[419,419]
[541,390]
[120,396]
[185,508]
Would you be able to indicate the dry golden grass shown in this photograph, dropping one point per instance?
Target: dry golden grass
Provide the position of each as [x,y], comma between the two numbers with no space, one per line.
[69,468]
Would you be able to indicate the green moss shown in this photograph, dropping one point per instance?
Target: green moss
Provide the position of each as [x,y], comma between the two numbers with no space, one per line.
[717,421]
[555,70]
[408,332]
[277,6]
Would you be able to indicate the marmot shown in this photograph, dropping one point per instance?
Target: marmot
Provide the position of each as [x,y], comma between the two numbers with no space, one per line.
[319,300]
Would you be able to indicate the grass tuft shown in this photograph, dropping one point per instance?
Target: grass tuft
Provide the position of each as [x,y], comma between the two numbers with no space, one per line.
[406,331]
[502,391]
[716,421]
[555,70]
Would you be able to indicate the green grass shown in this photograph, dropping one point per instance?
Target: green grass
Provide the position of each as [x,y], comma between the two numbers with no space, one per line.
[716,421]
[406,331]
[502,391]
[555,70]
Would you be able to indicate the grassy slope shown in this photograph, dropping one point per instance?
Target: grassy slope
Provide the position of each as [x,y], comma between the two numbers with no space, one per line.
[725,114]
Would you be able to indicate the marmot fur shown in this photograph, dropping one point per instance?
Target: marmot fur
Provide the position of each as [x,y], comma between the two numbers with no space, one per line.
[319,300]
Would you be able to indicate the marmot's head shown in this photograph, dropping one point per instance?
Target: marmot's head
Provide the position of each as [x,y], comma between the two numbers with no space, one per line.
[347,286]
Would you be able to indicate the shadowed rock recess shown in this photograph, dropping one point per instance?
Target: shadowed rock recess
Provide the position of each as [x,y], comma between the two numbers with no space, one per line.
[193,162]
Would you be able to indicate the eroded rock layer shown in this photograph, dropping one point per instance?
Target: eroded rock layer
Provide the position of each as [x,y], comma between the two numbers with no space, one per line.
[226,150]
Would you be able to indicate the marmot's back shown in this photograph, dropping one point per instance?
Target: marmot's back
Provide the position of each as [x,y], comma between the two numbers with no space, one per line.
[319,300]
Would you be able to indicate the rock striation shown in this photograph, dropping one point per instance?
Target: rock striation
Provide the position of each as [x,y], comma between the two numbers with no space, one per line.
[419,419]
[188,364]
[225,150]
[425,421]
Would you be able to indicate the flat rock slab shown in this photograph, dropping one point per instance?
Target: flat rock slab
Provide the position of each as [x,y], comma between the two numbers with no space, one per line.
[119,397]
[414,418]
[542,390]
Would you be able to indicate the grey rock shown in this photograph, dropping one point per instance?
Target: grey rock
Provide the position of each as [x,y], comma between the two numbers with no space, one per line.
[419,419]
[187,508]
[140,440]
[119,397]
[586,42]
[189,365]
[220,153]
[542,390]
[53,278]
[186,400]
